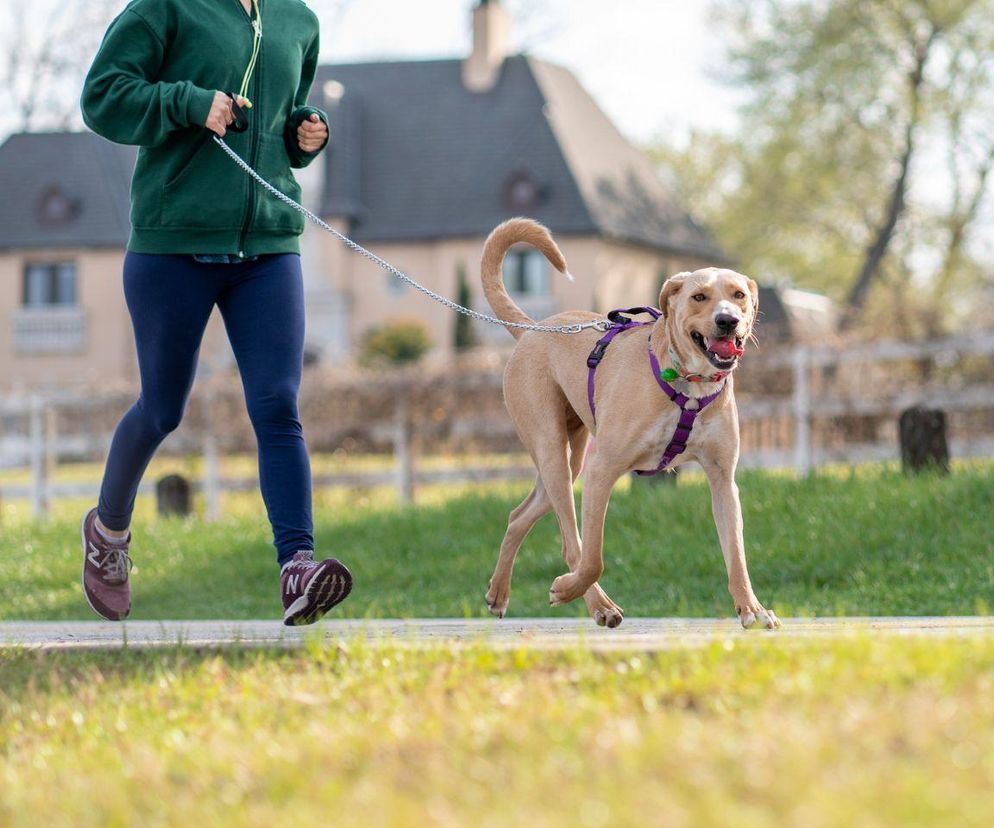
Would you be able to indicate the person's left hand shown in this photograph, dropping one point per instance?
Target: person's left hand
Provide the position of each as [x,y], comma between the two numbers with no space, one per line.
[312,133]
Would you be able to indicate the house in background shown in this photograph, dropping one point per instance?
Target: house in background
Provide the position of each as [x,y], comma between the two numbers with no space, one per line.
[426,158]
[63,227]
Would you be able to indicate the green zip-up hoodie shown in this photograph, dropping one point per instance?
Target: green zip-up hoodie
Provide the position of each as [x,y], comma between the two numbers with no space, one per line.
[152,84]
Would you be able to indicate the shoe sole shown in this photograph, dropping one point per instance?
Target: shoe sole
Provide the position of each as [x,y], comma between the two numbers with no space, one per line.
[86,595]
[323,592]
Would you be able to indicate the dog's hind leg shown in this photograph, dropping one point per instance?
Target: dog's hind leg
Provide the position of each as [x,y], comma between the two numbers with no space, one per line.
[519,524]
[547,438]
[601,608]
[601,476]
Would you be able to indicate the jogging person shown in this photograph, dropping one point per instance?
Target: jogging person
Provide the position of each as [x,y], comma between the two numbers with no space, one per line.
[169,75]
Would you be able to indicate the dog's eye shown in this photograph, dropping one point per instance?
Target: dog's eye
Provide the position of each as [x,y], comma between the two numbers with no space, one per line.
[699,297]
[739,294]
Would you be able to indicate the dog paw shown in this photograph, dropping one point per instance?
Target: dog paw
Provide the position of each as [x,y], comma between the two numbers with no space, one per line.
[609,617]
[753,614]
[497,601]
[567,588]
[602,609]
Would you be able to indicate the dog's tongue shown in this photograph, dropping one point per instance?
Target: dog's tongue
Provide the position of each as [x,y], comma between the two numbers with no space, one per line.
[725,347]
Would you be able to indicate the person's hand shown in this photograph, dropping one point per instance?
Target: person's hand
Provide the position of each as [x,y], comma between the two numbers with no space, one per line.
[312,134]
[221,116]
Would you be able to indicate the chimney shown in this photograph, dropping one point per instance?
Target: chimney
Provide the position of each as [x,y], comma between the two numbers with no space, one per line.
[491,44]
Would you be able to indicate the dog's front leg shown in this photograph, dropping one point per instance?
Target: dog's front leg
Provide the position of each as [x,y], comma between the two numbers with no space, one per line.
[728,520]
[599,480]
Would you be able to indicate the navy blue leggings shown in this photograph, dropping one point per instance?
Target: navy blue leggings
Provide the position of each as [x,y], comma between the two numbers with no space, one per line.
[170,299]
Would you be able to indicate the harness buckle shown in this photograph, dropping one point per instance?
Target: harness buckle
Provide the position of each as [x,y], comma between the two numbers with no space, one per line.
[597,354]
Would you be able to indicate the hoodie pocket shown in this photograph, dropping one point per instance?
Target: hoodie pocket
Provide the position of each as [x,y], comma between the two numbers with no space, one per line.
[206,190]
[274,167]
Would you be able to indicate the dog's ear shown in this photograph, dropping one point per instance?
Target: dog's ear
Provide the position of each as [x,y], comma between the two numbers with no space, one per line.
[670,287]
[754,292]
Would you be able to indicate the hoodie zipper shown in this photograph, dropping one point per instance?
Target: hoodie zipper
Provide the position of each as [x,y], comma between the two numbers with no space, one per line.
[253,137]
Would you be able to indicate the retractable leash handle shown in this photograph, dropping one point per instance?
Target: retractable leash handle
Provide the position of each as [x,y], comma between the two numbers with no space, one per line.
[241,118]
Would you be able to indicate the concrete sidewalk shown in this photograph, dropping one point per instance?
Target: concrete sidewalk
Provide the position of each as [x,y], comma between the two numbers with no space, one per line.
[644,634]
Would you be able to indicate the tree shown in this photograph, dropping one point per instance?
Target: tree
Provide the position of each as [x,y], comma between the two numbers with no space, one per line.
[464,337]
[849,104]
[46,48]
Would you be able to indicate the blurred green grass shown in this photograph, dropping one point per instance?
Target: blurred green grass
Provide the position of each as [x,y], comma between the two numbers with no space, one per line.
[755,730]
[866,541]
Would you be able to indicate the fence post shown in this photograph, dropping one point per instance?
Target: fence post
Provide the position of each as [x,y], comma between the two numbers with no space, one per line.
[402,448]
[39,452]
[803,461]
[172,496]
[212,485]
[211,481]
[51,425]
[923,440]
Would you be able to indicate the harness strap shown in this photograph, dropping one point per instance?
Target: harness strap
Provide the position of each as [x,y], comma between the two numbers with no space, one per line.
[690,407]
[620,320]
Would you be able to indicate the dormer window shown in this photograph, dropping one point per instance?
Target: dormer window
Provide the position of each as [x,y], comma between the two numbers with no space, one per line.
[55,207]
[521,193]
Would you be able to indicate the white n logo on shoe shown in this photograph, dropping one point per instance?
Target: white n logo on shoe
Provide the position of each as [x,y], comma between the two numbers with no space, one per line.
[292,583]
[92,557]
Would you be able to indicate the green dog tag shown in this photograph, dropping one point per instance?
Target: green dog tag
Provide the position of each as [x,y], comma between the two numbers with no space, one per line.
[669,374]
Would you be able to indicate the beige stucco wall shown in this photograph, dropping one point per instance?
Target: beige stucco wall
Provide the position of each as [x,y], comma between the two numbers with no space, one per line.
[107,355]
[608,275]
[107,349]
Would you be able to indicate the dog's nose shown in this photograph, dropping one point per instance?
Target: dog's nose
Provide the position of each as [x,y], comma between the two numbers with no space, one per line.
[726,323]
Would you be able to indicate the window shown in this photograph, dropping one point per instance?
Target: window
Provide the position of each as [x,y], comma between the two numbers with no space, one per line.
[47,284]
[526,272]
[395,285]
[522,193]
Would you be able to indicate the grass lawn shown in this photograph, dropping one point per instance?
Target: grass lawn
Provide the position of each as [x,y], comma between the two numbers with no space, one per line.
[759,730]
[867,542]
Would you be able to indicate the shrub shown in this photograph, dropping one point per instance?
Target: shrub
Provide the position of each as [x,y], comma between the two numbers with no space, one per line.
[394,343]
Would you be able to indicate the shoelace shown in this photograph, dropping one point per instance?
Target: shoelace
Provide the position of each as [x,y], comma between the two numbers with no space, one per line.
[116,566]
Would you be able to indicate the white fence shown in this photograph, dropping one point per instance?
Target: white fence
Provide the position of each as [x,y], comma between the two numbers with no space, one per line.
[953,392]
[783,427]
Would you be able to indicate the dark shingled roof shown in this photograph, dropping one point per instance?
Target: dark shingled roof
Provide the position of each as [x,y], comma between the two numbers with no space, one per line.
[87,175]
[415,155]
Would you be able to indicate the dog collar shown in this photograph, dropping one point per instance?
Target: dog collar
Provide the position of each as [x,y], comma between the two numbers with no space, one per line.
[674,373]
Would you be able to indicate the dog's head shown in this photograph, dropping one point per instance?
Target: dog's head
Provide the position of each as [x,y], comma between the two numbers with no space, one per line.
[708,315]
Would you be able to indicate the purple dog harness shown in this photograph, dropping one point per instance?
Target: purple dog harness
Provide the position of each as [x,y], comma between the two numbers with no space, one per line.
[620,321]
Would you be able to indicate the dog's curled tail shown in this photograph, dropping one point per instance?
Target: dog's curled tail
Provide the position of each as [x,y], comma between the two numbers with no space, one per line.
[511,232]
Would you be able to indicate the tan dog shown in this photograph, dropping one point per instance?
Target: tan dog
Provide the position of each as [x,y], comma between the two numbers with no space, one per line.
[706,316]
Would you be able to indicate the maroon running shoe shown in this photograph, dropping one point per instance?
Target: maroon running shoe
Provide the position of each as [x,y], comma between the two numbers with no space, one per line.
[106,567]
[312,588]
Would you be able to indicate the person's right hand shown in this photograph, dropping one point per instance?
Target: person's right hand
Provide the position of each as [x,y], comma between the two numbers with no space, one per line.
[221,116]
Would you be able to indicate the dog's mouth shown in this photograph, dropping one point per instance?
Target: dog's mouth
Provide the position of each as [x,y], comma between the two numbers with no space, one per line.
[722,351]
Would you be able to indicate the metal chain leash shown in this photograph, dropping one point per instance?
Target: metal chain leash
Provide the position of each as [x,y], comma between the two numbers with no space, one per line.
[598,324]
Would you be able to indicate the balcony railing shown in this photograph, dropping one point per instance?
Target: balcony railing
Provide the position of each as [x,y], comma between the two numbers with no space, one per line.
[49,330]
